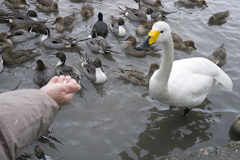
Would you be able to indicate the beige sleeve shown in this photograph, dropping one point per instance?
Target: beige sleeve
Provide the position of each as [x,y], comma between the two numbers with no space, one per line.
[24,116]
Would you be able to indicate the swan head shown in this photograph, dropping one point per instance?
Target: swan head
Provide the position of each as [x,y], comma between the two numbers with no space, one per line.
[160,32]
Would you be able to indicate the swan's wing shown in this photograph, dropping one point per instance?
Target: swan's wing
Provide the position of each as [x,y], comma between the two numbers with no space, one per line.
[201,68]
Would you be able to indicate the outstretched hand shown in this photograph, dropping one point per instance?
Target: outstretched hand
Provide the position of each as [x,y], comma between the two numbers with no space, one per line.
[61,89]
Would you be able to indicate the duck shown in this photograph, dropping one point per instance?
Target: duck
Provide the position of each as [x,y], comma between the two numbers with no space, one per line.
[137,15]
[18,56]
[101,26]
[5,40]
[47,5]
[38,154]
[98,43]
[219,56]
[36,26]
[50,136]
[219,18]
[236,125]
[117,26]
[1,64]
[87,11]
[137,76]
[16,4]
[156,3]
[193,3]
[93,69]
[22,35]
[67,22]
[56,41]
[42,74]
[129,48]
[67,70]
[21,18]
[185,82]
[144,27]
[180,44]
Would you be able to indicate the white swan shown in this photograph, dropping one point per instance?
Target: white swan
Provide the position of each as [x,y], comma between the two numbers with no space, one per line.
[183,83]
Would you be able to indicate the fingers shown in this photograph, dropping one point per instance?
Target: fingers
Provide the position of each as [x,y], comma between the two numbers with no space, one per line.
[61,79]
[72,87]
[53,80]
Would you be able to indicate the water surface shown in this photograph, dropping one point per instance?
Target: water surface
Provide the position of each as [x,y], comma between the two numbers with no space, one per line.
[118,120]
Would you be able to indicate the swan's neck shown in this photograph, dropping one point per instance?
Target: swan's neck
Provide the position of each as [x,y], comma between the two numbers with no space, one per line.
[163,73]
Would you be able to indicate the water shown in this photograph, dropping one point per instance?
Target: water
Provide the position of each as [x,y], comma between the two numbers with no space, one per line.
[118,120]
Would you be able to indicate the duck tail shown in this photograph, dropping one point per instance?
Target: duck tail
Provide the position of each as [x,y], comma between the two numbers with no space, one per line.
[81,55]
[120,8]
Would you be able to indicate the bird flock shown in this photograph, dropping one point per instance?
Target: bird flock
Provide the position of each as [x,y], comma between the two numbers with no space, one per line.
[24,25]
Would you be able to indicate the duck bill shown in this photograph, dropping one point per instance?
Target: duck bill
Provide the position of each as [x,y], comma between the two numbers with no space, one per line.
[151,38]
[54,22]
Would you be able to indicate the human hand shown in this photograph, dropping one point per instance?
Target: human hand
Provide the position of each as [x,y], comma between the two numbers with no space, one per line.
[61,89]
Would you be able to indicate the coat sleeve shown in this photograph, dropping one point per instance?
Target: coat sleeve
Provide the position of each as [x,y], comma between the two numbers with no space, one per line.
[24,116]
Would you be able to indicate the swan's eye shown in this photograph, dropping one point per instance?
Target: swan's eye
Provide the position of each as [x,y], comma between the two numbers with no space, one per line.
[161,31]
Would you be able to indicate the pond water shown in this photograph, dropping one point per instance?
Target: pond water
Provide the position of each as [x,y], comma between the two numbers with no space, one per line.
[118,120]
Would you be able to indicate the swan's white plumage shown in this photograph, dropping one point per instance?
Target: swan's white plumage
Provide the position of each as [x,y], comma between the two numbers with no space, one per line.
[186,82]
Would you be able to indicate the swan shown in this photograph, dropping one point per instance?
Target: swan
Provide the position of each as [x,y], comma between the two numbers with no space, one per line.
[185,82]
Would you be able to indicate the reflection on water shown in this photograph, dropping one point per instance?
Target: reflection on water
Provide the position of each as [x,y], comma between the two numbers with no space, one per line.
[167,131]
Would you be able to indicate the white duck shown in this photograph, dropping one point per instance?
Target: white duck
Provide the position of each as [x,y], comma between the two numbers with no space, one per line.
[183,83]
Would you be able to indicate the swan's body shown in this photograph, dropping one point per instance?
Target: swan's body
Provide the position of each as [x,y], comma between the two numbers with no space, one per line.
[186,82]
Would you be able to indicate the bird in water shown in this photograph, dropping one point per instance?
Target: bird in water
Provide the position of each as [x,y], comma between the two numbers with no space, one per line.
[183,83]
[137,76]
[219,18]
[42,74]
[101,26]
[38,154]
[67,70]
[87,11]
[93,69]
[11,57]
[219,56]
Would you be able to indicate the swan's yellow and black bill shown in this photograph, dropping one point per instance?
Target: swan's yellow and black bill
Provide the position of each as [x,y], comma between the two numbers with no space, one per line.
[151,38]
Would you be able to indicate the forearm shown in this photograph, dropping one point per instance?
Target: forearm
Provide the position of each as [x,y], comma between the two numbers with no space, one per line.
[25,115]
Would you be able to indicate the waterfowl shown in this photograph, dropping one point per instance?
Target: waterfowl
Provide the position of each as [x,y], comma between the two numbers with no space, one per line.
[38,154]
[11,57]
[144,27]
[1,64]
[21,18]
[236,125]
[16,4]
[98,43]
[101,26]
[185,82]
[117,26]
[47,5]
[93,69]
[37,26]
[218,18]
[42,74]
[67,22]
[137,76]
[87,11]
[22,35]
[180,44]
[5,40]
[137,15]
[130,48]
[156,3]
[56,41]
[67,70]
[219,56]
[193,3]
[49,135]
